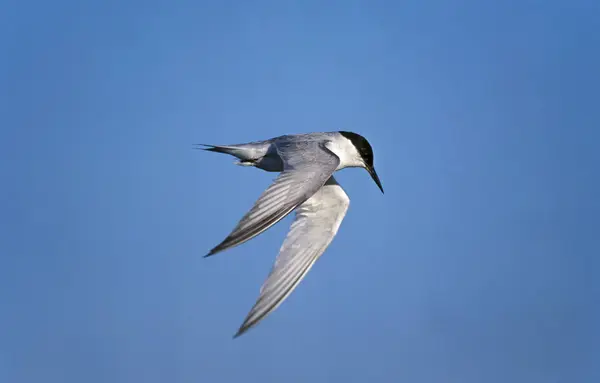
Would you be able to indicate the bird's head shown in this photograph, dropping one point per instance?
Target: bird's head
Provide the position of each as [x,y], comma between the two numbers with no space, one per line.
[365,153]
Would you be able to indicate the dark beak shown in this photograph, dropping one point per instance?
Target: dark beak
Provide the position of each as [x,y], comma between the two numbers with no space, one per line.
[375,177]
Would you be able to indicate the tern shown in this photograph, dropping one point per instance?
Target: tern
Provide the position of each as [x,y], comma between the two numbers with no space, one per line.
[306,163]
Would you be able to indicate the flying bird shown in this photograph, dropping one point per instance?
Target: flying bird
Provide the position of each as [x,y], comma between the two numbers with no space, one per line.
[306,163]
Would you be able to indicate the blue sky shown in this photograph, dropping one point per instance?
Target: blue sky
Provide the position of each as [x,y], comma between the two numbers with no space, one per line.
[479,264]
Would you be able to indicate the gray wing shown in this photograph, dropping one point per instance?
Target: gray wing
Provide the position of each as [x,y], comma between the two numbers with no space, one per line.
[317,222]
[306,167]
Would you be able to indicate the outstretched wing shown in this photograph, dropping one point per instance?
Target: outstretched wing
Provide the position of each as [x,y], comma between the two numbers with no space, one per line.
[317,222]
[307,166]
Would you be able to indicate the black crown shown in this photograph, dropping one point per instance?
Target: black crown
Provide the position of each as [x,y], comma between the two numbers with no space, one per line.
[362,146]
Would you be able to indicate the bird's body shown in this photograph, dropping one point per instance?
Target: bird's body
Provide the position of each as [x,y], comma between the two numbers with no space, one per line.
[306,163]
[264,154]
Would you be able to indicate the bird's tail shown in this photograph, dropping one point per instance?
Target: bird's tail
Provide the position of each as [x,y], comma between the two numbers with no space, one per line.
[246,155]
[232,150]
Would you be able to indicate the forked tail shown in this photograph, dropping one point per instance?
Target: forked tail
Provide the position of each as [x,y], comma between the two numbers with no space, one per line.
[247,156]
[219,149]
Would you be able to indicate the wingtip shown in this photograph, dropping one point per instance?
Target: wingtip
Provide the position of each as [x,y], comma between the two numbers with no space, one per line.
[211,253]
[240,332]
[214,251]
[220,247]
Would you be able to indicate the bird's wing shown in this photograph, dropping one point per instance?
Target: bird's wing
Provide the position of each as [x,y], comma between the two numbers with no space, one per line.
[317,222]
[307,166]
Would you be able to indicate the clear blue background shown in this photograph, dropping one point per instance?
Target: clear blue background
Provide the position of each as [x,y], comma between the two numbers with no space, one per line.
[479,264]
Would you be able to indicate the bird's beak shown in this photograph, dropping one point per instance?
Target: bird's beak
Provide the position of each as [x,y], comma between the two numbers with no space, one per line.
[375,177]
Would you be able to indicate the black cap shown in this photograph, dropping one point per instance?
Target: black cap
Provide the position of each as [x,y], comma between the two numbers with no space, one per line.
[366,153]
